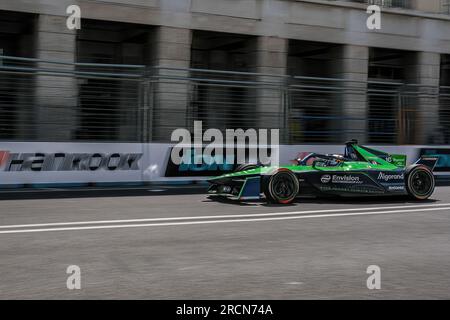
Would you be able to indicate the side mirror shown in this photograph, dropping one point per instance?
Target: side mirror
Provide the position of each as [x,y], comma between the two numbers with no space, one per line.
[323,163]
[318,164]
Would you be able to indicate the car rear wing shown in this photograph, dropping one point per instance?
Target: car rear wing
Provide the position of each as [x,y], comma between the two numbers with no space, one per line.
[358,152]
[428,161]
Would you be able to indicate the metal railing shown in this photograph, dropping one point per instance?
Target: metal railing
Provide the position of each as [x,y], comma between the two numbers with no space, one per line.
[57,101]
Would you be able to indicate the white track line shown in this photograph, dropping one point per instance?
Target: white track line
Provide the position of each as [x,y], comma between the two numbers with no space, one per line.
[222,221]
[252,215]
[49,189]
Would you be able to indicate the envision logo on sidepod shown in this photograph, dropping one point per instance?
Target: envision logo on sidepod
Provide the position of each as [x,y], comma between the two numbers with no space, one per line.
[346,179]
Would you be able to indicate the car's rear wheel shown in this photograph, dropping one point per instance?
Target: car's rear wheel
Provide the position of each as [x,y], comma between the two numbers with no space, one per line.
[282,187]
[420,182]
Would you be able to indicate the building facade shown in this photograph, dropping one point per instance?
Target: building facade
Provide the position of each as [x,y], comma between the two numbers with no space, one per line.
[281,42]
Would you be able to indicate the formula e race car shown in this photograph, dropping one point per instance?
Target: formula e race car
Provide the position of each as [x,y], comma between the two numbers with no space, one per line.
[360,171]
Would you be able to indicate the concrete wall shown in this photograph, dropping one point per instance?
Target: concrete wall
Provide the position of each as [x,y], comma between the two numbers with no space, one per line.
[353,65]
[425,71]
[270,58]
[56,96]
[327,21]
[172,49]
[428,5]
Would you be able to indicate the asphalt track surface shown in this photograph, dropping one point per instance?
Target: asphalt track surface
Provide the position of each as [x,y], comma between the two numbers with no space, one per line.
[164,242]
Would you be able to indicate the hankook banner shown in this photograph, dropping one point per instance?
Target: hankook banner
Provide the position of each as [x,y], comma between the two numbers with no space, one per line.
[45,162]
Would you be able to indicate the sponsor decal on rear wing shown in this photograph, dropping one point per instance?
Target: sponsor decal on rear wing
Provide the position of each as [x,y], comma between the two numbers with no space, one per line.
[429,161]
[443,155]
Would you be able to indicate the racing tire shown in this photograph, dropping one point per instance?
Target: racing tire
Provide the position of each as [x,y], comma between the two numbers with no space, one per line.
[245,166]
[420,182]
[282,187]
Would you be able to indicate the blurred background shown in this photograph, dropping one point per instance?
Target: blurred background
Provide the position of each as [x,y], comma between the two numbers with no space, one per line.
[138,69]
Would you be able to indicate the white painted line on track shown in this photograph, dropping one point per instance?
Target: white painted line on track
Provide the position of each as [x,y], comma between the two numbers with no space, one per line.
[223,221]
[49,189]
[251,215]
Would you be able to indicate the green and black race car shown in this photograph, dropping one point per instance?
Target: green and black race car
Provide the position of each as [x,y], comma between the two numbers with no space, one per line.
[360,171]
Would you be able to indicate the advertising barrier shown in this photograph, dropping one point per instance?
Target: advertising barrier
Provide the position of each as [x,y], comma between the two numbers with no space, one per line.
[29,163]
[46,163]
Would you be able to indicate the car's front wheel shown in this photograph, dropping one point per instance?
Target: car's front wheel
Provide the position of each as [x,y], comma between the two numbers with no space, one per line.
[282,187]
[419,182]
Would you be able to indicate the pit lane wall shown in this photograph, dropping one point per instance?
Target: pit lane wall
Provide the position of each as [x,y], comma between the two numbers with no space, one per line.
[38,164]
